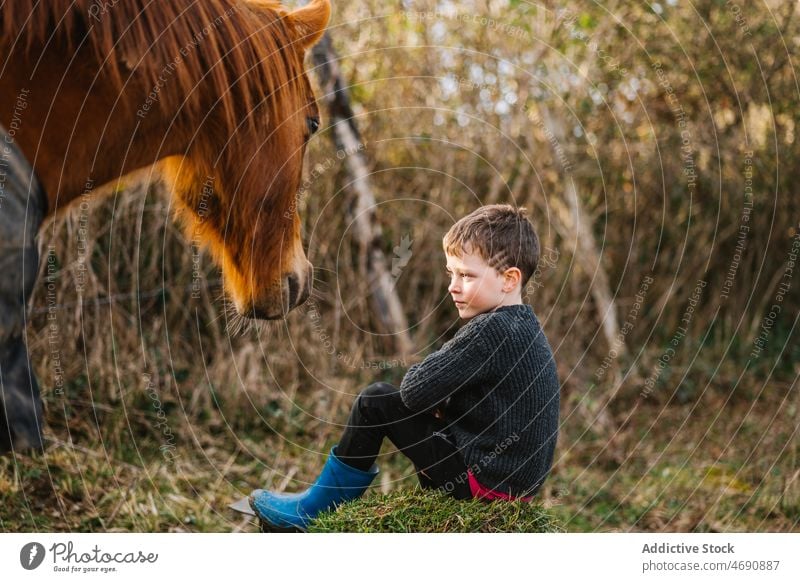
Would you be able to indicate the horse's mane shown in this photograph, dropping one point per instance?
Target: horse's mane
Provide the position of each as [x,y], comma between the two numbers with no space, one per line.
[202,52]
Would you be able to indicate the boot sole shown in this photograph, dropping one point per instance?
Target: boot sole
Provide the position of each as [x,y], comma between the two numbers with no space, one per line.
[243,506]
[267,527]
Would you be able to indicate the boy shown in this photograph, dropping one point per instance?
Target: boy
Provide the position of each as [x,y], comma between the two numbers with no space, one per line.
[478,417]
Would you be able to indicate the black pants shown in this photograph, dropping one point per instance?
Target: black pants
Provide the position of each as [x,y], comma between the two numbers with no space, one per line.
[379,412]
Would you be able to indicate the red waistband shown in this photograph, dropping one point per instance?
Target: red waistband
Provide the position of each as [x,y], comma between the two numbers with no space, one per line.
[481,492]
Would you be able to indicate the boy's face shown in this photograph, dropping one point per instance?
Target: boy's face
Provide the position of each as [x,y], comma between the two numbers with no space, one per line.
[475,287]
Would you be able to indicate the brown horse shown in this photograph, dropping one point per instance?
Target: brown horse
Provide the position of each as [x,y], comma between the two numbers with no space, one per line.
[214,88]
[213,91]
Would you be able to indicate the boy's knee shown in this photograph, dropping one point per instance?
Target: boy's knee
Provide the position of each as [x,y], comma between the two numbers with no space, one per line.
[380,389]
[376,394]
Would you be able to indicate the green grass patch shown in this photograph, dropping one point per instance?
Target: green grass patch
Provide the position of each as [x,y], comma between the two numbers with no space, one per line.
[422,511]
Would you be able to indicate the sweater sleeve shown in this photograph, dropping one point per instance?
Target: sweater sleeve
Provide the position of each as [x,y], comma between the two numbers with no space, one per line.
[462,360]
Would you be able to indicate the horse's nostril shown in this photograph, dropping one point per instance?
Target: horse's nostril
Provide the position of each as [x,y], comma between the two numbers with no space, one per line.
[294,288]
[305,293]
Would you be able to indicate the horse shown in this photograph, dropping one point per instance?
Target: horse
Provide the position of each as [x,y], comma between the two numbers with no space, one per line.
[211,94]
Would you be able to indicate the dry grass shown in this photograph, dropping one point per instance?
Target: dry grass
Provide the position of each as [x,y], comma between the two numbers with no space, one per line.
[165,415]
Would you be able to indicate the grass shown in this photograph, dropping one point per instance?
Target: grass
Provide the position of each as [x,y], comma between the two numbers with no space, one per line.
[423,511]
[720,472]
[706,466]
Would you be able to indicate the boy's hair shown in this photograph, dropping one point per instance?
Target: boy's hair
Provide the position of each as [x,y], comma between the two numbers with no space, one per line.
[499,233]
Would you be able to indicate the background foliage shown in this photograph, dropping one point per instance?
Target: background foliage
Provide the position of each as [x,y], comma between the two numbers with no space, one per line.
[573,110]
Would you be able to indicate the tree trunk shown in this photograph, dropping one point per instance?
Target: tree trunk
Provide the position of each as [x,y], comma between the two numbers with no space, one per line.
[383,297]
[573,218]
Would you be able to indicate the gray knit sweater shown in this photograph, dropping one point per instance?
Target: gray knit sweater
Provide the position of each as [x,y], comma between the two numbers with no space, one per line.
[498,384]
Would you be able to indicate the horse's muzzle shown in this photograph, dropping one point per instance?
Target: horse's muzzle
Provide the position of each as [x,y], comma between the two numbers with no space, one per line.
[295,290]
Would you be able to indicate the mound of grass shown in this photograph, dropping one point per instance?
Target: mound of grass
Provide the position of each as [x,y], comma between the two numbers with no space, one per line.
[424,511]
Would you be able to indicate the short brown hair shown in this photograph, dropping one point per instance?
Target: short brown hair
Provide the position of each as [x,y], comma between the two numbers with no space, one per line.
[499,233]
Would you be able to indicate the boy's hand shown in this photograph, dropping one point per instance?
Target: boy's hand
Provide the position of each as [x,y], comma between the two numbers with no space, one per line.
[437,413]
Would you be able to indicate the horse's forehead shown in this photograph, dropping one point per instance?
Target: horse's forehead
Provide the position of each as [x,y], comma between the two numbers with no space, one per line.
[308,90]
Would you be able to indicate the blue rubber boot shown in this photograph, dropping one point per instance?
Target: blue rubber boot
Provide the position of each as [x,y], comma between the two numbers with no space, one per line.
[337,483]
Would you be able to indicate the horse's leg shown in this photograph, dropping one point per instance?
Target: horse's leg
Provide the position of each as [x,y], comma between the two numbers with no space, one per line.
[22,206]
[20,405]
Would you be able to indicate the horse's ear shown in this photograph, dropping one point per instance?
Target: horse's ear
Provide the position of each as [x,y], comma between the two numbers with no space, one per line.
[310,22]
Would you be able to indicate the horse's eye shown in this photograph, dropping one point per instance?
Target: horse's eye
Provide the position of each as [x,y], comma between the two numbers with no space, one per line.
[313,124]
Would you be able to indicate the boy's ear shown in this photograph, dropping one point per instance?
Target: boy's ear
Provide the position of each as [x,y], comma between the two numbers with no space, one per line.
[511,279]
